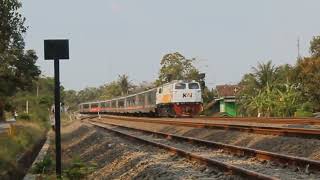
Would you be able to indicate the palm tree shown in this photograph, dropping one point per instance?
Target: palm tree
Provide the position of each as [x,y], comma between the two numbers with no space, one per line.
[265,74]
[124,83]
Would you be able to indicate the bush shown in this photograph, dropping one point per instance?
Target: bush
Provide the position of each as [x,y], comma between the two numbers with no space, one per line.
[307,106]
[305,110]
[79,170]
[27,134]
[43,166]
[301,113]
[24,116]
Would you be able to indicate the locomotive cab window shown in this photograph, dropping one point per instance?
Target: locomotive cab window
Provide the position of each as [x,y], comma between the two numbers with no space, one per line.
[160,90]
[180,86]
[193,86]
[86,106]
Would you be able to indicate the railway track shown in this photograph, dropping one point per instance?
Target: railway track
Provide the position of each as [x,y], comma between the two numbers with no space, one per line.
[248,163]
[268,130]
[301,121]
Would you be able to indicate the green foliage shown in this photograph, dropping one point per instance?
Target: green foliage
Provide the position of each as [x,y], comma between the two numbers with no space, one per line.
[265,74]
[89,94]
[43,166]
[18,69]
[315,47]
[24,116]
[308,80]
[11,26]
[79,170]
[174,66]
[27,134]
[305,110]
[208,95]
[307,106]
[110,90]
[124,84]
[268,91]
[300,113]
[70,99]
[39,98]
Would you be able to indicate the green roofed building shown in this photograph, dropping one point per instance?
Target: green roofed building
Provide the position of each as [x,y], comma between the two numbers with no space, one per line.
[225,103]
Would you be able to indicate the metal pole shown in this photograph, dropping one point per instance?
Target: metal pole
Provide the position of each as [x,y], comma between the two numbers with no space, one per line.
[27,107]
[57,116]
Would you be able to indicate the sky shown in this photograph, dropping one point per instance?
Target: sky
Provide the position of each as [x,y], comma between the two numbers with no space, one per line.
[112,37]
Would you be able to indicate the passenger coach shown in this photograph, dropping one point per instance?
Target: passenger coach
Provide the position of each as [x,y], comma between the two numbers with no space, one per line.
[175,99]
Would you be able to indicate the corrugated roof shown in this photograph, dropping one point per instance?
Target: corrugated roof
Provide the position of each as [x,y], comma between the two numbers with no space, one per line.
[227,90]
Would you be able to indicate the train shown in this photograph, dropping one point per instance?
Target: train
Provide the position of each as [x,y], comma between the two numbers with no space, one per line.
[174,99]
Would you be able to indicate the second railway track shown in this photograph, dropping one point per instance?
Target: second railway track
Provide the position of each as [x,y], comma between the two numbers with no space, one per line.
[267,130]
[243,161]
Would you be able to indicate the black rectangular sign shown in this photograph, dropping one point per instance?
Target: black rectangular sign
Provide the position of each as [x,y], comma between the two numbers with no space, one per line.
[56,49]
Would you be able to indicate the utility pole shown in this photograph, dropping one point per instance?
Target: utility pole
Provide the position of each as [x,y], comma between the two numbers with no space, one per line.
[37,89]
[298,47]
[27,107]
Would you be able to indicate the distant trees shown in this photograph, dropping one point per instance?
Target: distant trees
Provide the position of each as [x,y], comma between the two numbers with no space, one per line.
[315,47]
[39,98]
[121,86]
[124,84]
[308,80]
[110,90]
[268,92]
[283,90]
[17,66]
[174,66]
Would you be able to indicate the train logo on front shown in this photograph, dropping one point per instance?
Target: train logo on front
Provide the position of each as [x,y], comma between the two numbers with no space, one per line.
[185,95]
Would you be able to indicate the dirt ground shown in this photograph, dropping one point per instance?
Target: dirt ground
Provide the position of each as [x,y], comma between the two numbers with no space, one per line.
[119,158]
[309,148]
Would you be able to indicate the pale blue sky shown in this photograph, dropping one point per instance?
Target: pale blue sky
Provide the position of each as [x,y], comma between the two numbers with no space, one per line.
[111,37]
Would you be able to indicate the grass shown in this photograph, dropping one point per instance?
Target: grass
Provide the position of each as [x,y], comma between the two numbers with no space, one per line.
[12,146]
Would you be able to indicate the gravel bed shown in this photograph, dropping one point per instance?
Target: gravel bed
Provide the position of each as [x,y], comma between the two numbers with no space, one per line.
[221,121]
[280,171]
[120,158]
[308,148]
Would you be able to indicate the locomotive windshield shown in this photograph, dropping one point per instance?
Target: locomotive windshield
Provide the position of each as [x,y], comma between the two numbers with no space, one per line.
[193,86]
[180,86]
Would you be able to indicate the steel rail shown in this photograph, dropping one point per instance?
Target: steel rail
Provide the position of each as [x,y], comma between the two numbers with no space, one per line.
[302,121]
[237,150]
[218,164]
[281,131]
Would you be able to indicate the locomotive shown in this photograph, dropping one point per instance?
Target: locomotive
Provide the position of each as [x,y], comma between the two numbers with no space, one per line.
[174,99]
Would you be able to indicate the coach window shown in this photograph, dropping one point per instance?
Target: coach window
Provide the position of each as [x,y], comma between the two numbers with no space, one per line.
[180,86]
[193,86]
[160,90]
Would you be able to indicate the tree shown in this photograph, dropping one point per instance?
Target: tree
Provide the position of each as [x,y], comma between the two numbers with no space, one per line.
[89,94]
[18,74]
[308,76]
[18,69]
[11,26]
[285,74]
[124,84]
[269,91]
[264,74]
[315,47]
[174,66]
[110,90]
[70,99]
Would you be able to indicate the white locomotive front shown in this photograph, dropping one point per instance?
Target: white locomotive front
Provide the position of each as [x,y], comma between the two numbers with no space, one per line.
[179,98]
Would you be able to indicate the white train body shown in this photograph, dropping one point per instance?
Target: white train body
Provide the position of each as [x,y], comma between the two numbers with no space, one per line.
[179,92]
[177,98]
